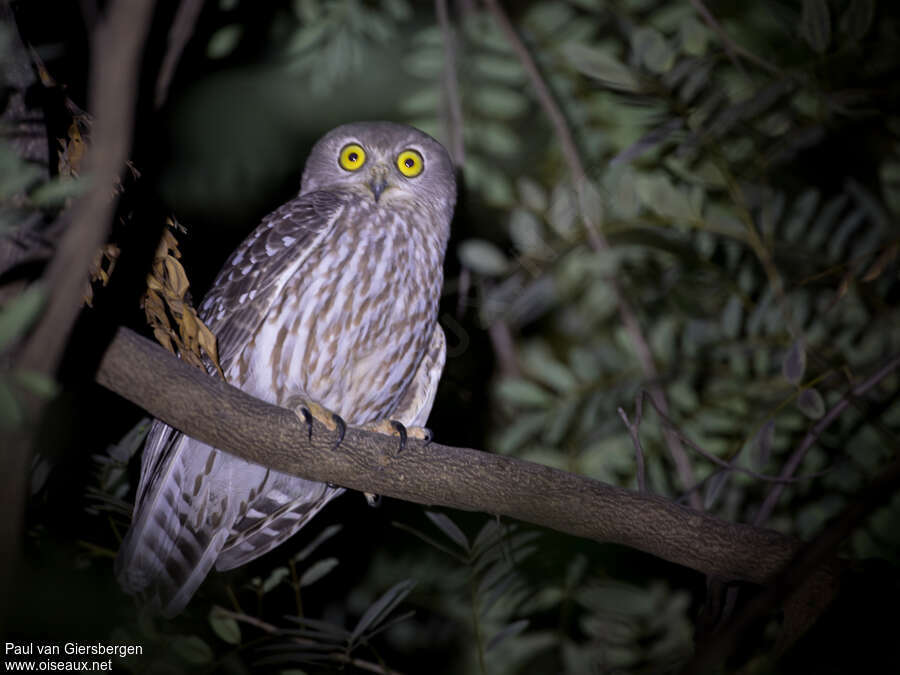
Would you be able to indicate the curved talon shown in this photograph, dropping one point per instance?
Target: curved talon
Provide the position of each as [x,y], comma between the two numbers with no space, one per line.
[373,500]
[428,436]
[401,431]
[341,429]
[308,418]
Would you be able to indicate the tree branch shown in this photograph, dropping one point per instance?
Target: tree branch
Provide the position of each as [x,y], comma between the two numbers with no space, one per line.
[453,112]
[115,63]
[231,420]
[179,34]
[731,47]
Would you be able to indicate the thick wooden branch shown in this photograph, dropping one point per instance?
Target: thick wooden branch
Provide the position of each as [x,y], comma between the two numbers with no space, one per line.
[460,478]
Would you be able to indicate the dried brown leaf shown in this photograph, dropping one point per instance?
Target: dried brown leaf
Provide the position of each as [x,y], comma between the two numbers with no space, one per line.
[168,308]
[72,151]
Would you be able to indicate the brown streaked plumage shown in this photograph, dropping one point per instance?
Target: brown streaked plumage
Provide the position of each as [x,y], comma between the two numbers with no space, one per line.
[333,298]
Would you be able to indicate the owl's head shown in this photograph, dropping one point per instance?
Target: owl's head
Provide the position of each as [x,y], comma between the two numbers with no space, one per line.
[383,162]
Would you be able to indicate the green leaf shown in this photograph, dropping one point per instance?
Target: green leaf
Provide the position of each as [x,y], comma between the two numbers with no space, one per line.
[652,50]
[223,41]
[497,139]
[526,231]
[192,649]
[590,203]
[307,11]
[449,528]
[16,176]
[509,631]
[501,68]
[562,213]
[224,626]
[307,37]
[425,101]
[17,315]
[657,193]
[714,488]
[811,403]
[561,421]
[55,192]
[762,444]
[499,102]
[37,383]
[532,194]
[523,392]
[482,257]
[522,429]
[11,413]
[815,24]
[317,570]
[383,606]
[427,64]
[323,536]
[543,365]
[794,364]
[547,17]
[731,317]
[599,65]
[857,20]
[276,577]
[399,10]
[694,36]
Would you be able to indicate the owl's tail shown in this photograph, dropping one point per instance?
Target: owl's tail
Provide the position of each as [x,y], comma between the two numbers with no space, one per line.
[274,517]
[198,507]
[170,547]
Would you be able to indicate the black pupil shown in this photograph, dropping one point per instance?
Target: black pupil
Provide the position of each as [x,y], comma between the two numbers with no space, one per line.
[352,157]
[410,162]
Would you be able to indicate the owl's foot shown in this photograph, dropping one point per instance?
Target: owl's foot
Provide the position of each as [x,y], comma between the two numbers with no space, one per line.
[309,410]
[395,428]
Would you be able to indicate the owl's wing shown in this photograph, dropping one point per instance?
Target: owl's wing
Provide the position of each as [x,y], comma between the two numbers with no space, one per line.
[190,496]
[415,405]
[254,275]
[276,515]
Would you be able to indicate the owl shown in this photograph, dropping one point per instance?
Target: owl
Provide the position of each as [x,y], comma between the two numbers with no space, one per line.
[332,300]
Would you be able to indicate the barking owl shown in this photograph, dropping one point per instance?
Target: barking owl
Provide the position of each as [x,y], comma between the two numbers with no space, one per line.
[333,299]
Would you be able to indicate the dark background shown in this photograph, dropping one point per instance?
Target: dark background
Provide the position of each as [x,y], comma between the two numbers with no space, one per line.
[228,146]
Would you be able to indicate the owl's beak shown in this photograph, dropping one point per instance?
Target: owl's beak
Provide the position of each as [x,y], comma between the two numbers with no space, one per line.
[378,183]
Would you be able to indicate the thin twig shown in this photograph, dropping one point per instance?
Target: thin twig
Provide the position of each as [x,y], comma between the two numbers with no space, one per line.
[595,237]
[451,87]
[504,348]
[667,422]
[179,34]
[116,50]
[730,45]
[635,431]
[812,436]
[338,657]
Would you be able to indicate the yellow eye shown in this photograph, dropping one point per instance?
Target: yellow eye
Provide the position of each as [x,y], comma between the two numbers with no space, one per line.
[410,163]
[352,157]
